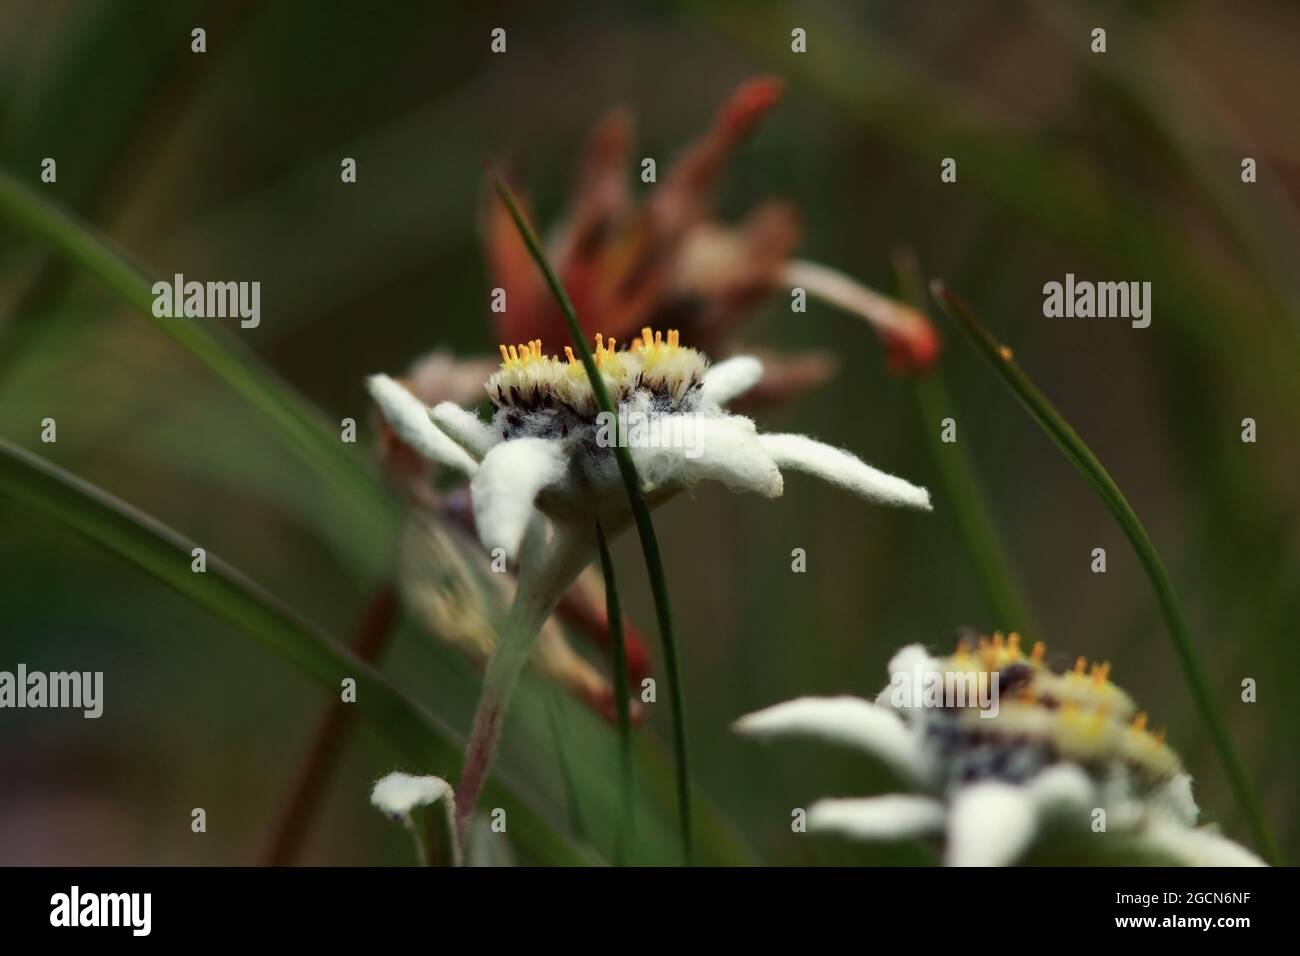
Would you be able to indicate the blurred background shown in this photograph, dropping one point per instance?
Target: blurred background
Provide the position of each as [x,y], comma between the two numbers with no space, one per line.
[1123,166]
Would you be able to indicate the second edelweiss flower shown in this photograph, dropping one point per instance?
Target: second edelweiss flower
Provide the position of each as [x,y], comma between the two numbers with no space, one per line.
[546,446]
[1065,759]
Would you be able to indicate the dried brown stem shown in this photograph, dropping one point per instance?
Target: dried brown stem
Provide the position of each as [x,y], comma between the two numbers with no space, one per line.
[309,787]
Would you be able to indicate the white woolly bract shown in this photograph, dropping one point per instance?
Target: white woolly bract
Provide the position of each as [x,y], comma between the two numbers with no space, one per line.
[467,429]
[1175,798]
[990,824]
[398,793]
[1063,787]
[893,817]
[730,378]
[506,486]
[410,419]
[844,469]
[716,447]
[843,720]
[1196,847]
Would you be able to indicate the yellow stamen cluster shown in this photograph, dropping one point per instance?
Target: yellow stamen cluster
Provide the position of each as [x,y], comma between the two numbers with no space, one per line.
[666,366]
[517,356]
[606,357]
[654,341]
[529,377]
[1079,713]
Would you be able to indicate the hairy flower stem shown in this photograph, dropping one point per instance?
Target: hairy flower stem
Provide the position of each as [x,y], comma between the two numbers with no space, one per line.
[545,573]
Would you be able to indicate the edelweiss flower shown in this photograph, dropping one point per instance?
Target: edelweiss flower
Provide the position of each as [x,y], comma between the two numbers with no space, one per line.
[548,452]
[547,448]
[444,576]
[992,781]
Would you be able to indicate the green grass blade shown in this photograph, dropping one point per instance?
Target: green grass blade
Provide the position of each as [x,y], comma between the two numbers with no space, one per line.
[618,662]
[302,427]
[1081,456]
[976,527]
[225,592]
[560,737]
[640,513]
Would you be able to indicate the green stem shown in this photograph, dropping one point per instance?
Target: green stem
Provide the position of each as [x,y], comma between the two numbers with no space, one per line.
[1081,456]
[976,527]
[421,839]
[622,694]
[640,514]
[545,573]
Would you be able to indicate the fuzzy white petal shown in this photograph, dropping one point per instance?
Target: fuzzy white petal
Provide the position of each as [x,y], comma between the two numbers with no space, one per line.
[910,659]
[506,485]
[893,817]
[1061,789]
[990,824]
[467,429]
[843,720]
[1195,847]
[844,469]
[721,448]
[1175,798]
[399,793]
[410,419]
[730,378]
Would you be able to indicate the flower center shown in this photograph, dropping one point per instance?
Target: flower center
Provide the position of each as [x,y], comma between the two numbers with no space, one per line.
[1043,716]
[549,396]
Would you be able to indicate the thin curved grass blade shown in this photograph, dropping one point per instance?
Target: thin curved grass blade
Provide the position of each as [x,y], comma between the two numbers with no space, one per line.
[976,526]
[1080,455]
[618,663]
[640,512]
[224,591]
[302,427]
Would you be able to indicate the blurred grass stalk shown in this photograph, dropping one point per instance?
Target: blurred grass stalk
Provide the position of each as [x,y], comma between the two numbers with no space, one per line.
[640,513]
[961,486]
[224,591]
[626,833]
[1069,202]
[312,781]
[117,132]
[1136,86]
[302,426]
[1081,456]
[560,735]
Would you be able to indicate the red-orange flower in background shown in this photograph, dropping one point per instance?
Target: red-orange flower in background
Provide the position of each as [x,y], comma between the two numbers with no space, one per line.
[667,261]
